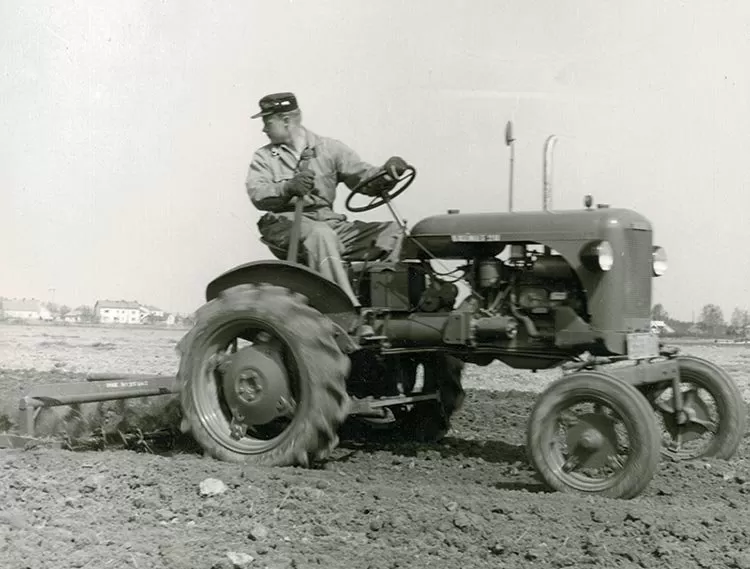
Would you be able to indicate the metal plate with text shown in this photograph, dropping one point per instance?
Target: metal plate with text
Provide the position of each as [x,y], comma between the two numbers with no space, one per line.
[642,345]
[476,238]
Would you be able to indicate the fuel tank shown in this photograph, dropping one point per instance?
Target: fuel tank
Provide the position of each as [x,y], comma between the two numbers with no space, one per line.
[466,235]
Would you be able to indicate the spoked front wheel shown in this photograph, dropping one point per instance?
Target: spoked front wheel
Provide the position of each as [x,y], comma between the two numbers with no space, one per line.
[705,417]
[590,432]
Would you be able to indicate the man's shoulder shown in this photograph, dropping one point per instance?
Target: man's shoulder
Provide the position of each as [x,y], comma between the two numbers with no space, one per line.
[325,142]
[265,152]
[266,149]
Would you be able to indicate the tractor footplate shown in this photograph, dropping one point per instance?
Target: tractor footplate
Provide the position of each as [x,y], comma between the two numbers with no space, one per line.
[372,406]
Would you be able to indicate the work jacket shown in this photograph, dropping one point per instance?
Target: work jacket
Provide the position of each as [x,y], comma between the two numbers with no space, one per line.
[332,161]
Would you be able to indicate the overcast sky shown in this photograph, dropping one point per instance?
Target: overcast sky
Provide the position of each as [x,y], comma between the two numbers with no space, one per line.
[125,132]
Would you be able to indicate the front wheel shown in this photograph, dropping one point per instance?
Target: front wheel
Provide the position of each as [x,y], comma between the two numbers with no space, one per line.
[713,415]
[591,433]
[262,379]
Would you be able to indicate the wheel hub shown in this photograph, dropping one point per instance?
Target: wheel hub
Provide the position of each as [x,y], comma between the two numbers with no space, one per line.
[255,384]
[593,440]
[691,422]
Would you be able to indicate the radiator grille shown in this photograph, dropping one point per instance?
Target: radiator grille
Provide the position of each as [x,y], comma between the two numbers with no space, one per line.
[637,279]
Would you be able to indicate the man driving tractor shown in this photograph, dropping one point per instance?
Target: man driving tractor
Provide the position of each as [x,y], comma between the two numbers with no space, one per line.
[300,165]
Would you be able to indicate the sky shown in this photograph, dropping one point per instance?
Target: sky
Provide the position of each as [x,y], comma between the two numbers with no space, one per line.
[125,130]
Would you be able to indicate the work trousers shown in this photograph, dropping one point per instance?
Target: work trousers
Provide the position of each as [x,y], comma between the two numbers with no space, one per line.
[328,238]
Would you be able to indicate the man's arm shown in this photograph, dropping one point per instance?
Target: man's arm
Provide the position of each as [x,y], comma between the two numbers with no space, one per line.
[351,169]
[265,194]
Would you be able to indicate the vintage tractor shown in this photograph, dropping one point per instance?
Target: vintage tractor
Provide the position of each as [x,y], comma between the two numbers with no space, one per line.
[279,357]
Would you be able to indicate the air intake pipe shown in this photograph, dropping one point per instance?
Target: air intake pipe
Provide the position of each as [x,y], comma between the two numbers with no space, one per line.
[549,146]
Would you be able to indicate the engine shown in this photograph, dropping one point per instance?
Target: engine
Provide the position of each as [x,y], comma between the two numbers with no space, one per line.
[522,291]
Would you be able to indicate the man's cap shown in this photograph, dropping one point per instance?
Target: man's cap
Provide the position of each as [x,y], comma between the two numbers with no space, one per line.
[276,103]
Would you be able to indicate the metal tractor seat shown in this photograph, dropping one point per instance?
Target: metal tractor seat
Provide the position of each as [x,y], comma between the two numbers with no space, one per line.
[354,261]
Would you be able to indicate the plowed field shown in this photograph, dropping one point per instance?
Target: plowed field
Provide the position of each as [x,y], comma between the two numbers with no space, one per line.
[470,501]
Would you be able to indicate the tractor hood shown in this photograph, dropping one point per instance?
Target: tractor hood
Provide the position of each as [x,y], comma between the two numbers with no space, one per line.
[462,235]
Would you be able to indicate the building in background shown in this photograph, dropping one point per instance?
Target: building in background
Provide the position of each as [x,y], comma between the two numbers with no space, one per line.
[74,316]
[25,309]
[661,327]
[127,312]
[117,312]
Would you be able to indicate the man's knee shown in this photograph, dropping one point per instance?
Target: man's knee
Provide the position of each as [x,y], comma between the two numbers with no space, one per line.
[321,234]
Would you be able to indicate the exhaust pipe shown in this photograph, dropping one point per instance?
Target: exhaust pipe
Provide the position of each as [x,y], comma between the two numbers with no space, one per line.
[509,141]
[549,146]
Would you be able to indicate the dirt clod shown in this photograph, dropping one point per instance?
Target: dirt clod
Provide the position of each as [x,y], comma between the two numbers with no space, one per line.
[240,560]
[258,532]
[212,487]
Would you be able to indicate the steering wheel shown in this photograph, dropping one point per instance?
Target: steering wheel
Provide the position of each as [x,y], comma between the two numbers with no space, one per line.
[386,195]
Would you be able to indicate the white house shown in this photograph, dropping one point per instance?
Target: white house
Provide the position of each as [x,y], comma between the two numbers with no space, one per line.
[118,311]
[25,309]
[149,310]
[73,316]
[661,327]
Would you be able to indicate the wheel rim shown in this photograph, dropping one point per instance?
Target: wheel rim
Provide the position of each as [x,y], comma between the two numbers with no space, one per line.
[587,443]
[691,434]
[215,404]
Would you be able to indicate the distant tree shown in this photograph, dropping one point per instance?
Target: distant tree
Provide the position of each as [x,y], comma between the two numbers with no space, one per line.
[53,308]
[680,328]
[86,312]
[712,319]
[658,313]
[63,310]
[740,320]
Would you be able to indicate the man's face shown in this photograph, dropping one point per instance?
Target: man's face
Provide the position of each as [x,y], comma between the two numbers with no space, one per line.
[276,128]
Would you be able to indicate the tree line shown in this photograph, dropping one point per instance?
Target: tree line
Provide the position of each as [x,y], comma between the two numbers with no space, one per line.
[711,322]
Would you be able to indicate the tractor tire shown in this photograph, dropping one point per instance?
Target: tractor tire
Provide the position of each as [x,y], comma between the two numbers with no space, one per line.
[313,362]
[599,389]
[730,410]
[431,421]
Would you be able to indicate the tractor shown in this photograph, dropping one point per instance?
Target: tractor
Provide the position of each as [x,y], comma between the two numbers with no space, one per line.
[280,358]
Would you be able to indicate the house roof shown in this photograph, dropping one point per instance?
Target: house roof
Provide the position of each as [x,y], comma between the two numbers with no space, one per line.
[22,305]
[118,304]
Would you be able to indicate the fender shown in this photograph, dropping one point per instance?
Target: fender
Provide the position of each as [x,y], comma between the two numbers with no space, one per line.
[322,294]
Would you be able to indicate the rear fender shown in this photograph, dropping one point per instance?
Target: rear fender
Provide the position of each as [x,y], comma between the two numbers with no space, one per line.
[322,294]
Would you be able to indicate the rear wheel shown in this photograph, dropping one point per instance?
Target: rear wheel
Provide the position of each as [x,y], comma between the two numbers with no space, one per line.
[430,421]
[592,433]
[262,379]
[713,417]
[425,421]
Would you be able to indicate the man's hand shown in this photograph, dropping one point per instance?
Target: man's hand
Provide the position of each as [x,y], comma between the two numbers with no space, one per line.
[300,185]
[395,166]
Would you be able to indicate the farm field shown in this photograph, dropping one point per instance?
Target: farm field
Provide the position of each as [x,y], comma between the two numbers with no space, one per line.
[470,501]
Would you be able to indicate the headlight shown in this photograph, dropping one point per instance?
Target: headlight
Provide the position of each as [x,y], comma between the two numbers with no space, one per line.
[659,261]
[598,255]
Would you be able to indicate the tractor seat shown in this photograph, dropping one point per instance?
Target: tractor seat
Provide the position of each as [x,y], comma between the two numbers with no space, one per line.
[352,260]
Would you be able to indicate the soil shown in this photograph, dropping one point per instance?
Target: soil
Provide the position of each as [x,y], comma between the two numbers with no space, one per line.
[470,501]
